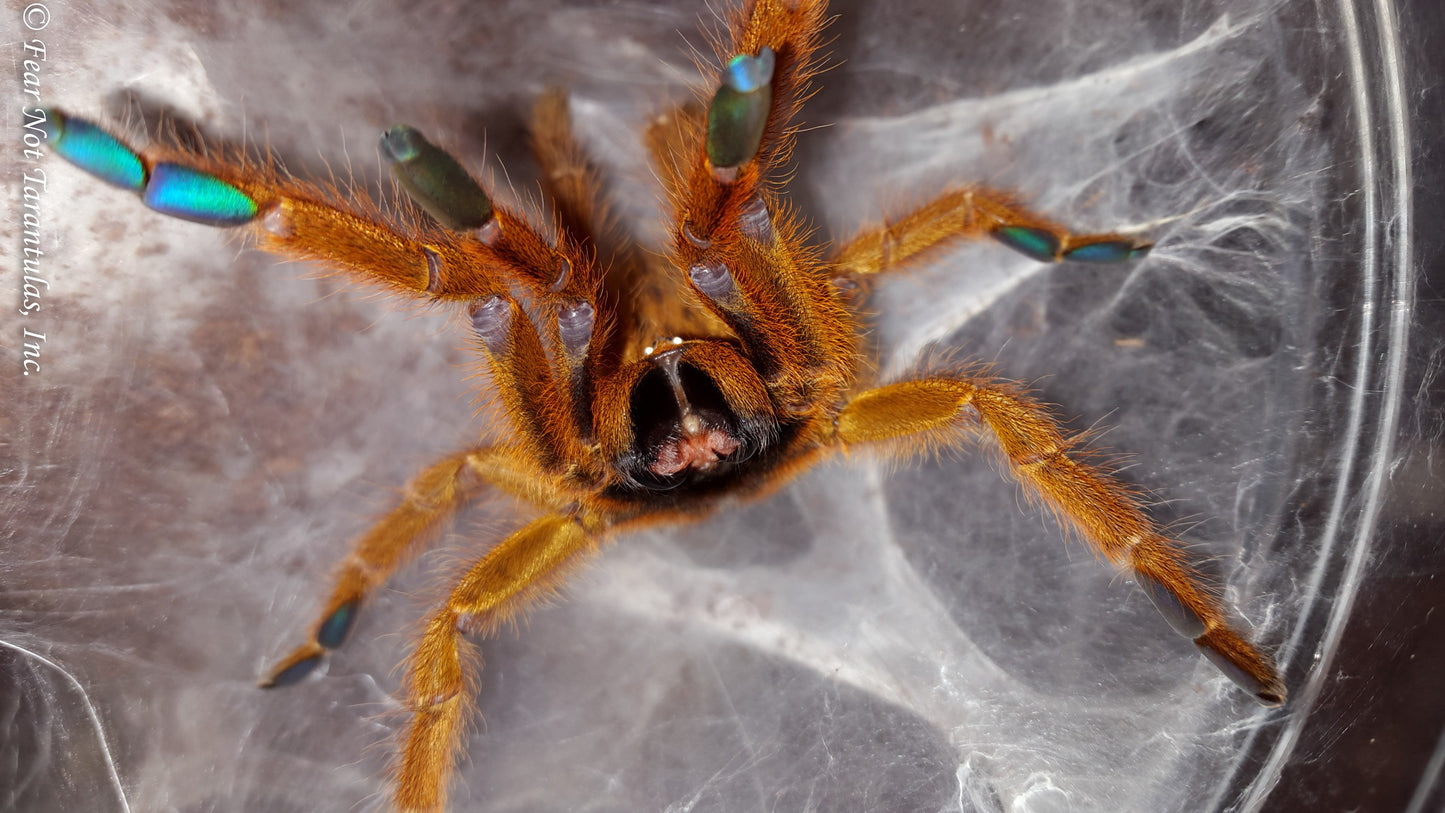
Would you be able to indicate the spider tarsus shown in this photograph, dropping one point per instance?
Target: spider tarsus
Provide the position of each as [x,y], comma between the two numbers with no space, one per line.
[1107,251]
[1239,662]
[1272,696]
[294,667]
[94,150]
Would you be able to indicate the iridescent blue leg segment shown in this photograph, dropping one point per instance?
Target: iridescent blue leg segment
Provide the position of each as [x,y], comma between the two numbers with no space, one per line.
[1108,251]
[1036,244]
[168,188]
[970,213]
[1046,247]
[94,150]
[293,673]
[337,626]
[191,194]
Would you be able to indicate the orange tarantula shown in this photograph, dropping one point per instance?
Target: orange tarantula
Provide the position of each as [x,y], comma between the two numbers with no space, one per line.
[648,390]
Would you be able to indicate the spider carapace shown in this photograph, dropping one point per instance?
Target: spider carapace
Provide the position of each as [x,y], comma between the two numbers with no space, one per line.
[641,388]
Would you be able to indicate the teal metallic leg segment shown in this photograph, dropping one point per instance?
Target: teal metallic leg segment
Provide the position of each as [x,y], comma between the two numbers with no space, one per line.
[94,150]
[1046,247]
[168,188]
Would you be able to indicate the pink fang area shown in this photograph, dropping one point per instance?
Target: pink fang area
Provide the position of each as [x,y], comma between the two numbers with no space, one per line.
[700,451]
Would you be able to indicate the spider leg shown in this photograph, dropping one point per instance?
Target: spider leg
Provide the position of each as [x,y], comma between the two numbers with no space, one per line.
[432,497]
[569,178]
[968,214]
[474,253]
[286,216]
[442,672]
[743,253]
[938,410]
[641,298]
[655,302]
[472,250]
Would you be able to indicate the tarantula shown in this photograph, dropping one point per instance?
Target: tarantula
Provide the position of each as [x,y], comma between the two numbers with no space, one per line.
[644,391]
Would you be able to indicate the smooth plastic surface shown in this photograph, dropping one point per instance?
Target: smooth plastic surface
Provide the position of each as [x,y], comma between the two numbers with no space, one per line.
[210,429]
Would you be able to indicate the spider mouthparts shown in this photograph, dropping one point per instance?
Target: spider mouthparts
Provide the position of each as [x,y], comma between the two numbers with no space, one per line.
[682,421]
[700,450]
